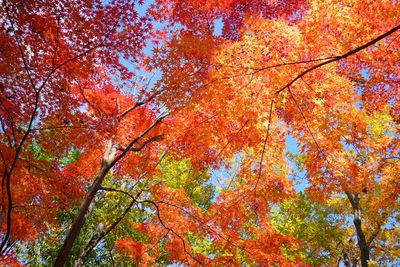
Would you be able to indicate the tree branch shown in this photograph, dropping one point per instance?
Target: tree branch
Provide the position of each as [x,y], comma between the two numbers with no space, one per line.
[172,230]
[99,235]
[144,144]
[33,115]
[337,58]
[7,176]
[141,103]
[203,224]
[134,141]
[265,143]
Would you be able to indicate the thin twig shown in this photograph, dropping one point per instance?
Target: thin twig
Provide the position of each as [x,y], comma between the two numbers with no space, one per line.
[264,145]
[337,58]
[173,231]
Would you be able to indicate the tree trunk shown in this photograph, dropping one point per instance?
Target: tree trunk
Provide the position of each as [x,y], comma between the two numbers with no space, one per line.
[77,224]
[361,240]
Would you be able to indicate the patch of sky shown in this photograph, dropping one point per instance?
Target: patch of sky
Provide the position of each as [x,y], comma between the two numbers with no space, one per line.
[218,25]
[143,79]
[366,76]
[223,177]
[364,73]
[296,175]
[142,8]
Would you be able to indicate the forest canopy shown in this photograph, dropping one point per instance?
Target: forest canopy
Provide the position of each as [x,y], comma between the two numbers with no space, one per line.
[200,133]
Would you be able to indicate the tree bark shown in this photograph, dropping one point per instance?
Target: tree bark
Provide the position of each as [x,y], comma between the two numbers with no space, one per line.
[361,240]
[79,219]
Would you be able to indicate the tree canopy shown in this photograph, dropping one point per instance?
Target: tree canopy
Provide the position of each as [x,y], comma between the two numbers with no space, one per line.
[200,133]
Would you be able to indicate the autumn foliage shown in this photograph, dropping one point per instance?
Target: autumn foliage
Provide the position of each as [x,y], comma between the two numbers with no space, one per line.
[202,133]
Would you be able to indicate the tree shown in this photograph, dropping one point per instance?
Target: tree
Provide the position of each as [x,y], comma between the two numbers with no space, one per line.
[71,97]
[320,76]
[319,228]
[80,134]
[52,53]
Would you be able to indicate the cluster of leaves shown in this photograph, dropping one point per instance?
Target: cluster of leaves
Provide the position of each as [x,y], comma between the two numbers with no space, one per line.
[127,243]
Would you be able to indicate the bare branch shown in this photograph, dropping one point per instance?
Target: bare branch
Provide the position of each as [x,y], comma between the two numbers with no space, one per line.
[96,238]
[373,236]
[141,103]
[265,143]
[144,144]
[59,127]
[134,141]
[118,191]
[173,231]
[25,63]
[204,224]
[268,67]
[337,58]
